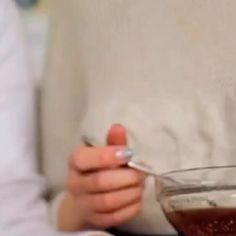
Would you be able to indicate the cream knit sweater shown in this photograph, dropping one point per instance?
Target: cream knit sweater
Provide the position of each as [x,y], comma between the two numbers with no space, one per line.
[164,69]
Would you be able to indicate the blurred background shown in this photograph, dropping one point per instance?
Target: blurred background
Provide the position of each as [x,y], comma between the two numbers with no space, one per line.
[36,17]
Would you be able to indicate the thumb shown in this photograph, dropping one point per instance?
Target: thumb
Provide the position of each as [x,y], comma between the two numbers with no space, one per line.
[117,135]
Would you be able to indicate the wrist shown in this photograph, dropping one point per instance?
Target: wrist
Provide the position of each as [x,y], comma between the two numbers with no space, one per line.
[66,216]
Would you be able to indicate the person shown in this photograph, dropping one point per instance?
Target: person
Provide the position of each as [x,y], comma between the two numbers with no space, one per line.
[165,71]
[23,210]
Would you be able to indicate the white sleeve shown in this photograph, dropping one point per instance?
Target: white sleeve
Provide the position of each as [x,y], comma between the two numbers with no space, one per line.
[22,208]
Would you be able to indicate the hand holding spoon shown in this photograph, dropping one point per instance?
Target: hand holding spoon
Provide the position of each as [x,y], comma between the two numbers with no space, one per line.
[140,166]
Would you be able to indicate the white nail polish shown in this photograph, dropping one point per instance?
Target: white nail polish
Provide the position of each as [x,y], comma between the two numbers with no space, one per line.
[126,154]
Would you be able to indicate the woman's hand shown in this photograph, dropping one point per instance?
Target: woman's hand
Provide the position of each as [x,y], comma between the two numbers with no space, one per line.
[104,192]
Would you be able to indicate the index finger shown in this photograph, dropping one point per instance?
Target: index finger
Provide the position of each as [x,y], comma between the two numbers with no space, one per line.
[97,158]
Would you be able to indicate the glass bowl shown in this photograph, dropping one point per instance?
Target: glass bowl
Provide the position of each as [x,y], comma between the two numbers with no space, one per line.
[201,201]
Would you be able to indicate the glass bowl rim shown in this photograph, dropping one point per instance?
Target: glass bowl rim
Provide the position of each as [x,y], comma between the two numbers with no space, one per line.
[172,172]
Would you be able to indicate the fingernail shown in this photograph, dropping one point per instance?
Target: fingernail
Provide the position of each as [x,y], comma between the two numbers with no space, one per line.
[124,154]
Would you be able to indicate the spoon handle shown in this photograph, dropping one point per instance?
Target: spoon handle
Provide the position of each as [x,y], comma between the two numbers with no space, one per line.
[132,164]
[142,167]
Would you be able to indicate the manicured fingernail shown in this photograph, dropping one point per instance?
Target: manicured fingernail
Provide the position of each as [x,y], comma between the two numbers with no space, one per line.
[124,154]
